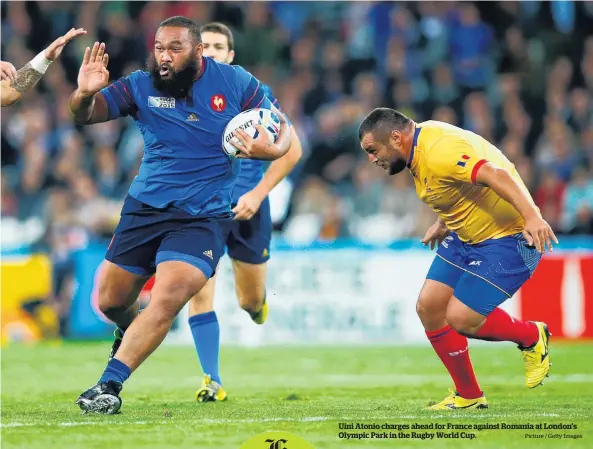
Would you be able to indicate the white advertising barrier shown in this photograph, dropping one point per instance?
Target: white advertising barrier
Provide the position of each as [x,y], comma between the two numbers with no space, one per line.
[338,296]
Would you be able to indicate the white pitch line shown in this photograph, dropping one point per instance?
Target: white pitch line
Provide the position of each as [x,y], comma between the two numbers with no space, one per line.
[204,421]
[387,419]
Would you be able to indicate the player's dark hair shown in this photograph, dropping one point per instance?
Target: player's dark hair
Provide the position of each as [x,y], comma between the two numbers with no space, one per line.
[382,118]
[220,28]
[184,22]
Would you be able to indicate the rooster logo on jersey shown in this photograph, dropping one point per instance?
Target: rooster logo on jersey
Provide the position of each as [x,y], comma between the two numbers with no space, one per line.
[218,103]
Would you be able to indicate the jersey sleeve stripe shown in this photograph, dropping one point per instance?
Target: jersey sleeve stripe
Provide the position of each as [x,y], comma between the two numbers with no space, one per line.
[122,96]
[127,92]
[476,168]
[260,102]
[252,97]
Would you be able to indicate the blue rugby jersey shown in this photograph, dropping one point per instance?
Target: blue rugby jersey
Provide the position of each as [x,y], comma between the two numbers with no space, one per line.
[183,163]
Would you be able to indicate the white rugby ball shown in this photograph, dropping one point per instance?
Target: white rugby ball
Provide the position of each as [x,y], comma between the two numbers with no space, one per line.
[246,121]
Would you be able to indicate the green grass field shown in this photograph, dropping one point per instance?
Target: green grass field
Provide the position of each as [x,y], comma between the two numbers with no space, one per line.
[306,391]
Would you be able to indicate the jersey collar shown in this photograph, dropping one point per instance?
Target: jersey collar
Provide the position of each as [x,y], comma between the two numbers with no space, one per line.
[414,145]
[202,68]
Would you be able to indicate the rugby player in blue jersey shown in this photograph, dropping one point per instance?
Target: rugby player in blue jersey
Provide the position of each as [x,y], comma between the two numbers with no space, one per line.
[248,242]
[176,216]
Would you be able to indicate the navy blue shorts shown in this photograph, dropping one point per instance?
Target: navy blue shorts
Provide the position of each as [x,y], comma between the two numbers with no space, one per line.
[146,236]
[486,274]
[249,240]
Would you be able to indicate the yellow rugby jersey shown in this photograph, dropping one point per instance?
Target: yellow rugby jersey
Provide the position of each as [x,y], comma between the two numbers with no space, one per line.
[444,162]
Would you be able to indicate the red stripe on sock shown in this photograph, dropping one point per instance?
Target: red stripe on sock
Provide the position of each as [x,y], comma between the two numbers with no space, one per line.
[500,326]
[453,350]
[438,333]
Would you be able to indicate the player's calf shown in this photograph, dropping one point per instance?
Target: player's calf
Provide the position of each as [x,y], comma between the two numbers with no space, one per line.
[490,324]
[531,337]
[250,283]
[257,308]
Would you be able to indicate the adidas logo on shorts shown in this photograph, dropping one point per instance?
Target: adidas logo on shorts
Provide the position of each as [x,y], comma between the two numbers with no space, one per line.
[208,253]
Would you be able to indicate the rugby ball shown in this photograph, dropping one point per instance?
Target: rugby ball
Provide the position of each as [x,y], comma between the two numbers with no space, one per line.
[246,121]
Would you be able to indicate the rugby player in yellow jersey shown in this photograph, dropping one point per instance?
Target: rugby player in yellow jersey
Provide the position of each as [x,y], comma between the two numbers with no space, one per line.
[490,238]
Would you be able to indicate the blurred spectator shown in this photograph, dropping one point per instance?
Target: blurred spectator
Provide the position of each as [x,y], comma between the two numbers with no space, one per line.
[471,48]
[580,115]
[548,197]
[577,214]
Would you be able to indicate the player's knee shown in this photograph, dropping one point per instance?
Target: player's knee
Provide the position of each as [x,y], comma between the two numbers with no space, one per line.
[427,308]
[111,299]
[172,295]
[421,308]
[459,322]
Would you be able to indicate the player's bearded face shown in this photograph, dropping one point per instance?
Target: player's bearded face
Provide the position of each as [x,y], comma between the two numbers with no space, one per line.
[173,78]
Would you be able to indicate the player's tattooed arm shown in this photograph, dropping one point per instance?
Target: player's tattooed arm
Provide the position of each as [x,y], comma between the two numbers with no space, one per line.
[25,79]
[16,84]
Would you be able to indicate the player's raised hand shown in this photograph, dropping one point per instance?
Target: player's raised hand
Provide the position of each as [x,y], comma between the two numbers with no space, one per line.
[538,233]
[93,75]
[55,48]
[248,205]
[435,234]
[259,148]
[7,70]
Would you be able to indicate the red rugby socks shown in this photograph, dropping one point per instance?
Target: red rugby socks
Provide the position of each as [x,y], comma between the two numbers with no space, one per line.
[453,350]
[500,326]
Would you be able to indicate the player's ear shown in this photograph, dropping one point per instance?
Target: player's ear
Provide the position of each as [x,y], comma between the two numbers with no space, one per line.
[231,57]
[199,50]
[397,137]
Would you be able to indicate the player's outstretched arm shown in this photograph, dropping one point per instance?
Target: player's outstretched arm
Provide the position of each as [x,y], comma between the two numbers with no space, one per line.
[87,104]
[537,231]
[15,84]
[249,204]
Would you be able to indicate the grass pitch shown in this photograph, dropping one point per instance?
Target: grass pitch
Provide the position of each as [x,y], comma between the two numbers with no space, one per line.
[306,391]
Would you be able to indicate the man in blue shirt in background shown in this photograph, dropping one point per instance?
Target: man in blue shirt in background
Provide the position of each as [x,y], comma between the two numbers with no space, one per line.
[176,217]
[248,241]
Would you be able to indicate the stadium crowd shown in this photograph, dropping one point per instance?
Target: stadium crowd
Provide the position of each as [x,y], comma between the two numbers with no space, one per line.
[518,73]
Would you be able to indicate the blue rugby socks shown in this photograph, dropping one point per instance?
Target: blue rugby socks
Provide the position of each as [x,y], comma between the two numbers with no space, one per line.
[116,371]
[206,333]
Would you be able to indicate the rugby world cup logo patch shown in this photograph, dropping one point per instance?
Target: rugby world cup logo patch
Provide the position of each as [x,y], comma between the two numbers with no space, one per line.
[161,102]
